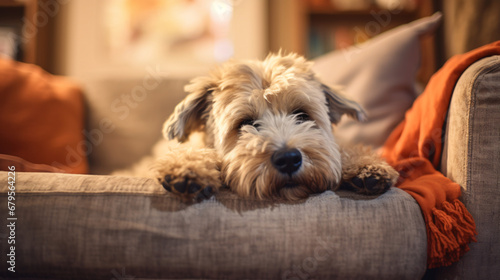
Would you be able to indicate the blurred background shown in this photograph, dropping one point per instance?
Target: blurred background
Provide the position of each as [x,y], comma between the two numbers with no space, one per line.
[85,38]
[132,59]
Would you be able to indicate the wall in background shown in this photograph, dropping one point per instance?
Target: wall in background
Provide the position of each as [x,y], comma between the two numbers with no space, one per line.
[468,25]
[81,48]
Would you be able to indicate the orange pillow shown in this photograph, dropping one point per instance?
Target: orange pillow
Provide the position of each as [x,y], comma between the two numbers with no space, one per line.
[22,165]
[42,117]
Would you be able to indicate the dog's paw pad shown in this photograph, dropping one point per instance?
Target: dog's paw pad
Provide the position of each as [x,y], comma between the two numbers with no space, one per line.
[358,182]
[193,187]
[371,185]
[181,186]
[186,188]
[372,182]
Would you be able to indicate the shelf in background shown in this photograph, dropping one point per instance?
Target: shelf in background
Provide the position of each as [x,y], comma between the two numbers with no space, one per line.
[26,27]
[315,27]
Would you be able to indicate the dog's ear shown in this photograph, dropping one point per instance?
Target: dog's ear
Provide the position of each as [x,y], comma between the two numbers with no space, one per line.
[191,114]
[338,106]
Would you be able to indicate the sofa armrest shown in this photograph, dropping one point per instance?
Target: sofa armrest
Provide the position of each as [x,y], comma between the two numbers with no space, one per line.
[97,227]
[471,157]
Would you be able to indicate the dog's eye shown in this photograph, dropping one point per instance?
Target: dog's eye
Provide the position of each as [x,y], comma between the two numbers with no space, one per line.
[248,122]
[301,116]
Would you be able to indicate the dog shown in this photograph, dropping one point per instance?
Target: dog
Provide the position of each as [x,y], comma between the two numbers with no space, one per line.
[264,129]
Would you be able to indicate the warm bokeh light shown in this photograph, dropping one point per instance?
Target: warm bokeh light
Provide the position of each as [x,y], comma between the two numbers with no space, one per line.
[142,31]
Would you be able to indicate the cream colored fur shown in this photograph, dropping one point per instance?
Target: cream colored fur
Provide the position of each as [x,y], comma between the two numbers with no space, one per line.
[233,121]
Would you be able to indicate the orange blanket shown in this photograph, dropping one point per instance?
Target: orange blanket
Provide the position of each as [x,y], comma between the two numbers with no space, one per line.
[414,149]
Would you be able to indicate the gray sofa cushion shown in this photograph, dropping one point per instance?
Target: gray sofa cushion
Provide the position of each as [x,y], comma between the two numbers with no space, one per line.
[125,116]
[102,227]
[471,158]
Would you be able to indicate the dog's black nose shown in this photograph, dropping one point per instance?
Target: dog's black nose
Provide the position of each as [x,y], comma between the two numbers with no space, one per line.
[287,160]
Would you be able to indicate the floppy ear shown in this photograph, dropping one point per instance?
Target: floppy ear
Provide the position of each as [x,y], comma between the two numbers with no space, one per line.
[191,113]
[338,106]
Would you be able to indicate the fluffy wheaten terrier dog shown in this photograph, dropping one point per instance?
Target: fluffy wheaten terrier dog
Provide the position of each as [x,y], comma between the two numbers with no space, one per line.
[264,129]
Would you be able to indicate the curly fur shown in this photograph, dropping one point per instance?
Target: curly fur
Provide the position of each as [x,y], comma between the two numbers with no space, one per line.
[268,93]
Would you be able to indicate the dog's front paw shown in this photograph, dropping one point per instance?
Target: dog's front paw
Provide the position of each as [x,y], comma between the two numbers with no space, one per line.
[188,189]
[192,175]
[371,180]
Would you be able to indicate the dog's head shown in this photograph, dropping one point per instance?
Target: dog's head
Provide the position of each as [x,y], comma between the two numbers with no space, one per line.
[270,121]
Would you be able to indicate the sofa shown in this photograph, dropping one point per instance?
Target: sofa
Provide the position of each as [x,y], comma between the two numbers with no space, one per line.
[102,226]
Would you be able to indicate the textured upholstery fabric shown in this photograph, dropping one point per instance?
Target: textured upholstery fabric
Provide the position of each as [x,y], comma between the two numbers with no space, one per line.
[126,117]
[379,75]
[97,227]
[472,159]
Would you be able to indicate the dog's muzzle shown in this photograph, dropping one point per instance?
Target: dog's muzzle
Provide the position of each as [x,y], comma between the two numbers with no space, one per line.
[287,161]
